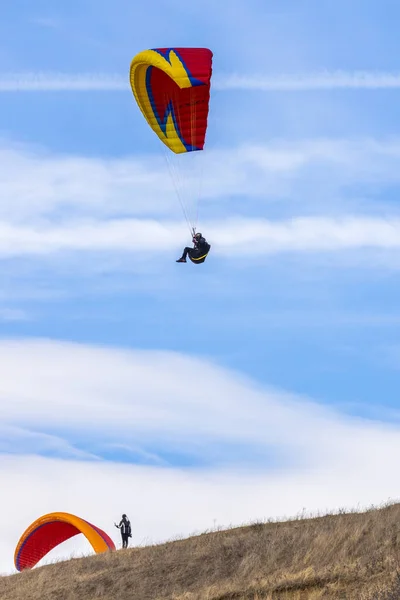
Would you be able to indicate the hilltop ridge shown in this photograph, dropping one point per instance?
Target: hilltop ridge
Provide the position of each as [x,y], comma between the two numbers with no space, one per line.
[349,555]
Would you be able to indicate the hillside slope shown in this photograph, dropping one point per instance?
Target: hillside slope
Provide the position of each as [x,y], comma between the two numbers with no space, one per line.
[347,556]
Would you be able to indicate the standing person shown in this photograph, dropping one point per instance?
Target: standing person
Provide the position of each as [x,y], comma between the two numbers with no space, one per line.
[126,532]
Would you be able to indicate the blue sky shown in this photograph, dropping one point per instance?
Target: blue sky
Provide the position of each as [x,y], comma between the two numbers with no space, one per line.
[269,372]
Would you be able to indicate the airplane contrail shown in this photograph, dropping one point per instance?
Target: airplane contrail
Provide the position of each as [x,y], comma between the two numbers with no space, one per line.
[313,81]
[93,82]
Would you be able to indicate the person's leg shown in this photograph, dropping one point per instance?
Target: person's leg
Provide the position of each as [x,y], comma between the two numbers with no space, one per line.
[186,251]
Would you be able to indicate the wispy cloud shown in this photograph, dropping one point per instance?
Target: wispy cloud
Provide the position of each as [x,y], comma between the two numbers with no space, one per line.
[251,237]
[54,185]
[310,234]
[12,314]
[115,82]
[20,440]
[119,396]
[67,204]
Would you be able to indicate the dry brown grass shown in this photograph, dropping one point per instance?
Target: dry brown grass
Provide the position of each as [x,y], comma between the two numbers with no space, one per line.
[346,556]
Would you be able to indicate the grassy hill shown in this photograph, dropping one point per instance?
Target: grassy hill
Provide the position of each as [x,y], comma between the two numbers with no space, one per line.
[347,556]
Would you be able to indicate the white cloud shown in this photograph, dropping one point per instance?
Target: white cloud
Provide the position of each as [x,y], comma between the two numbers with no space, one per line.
[315,172]
[330,460]
[66,205]
[64,183]
[147,395]
[311,234]
[125,393]
[20,440]
[249,237]
[137,185]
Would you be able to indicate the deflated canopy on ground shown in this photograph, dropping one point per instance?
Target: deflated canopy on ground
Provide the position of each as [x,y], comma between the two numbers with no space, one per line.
[53,529]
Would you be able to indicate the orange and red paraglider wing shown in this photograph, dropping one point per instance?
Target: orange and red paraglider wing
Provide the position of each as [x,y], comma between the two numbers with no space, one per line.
[172,89]
[41,540]
[53,529]
[108,541]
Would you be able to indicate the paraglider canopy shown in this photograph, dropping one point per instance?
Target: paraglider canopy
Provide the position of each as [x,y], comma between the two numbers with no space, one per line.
[52,529]
[172,89]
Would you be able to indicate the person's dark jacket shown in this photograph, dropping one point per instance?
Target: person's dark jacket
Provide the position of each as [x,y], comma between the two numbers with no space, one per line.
[125,527]
[201,244]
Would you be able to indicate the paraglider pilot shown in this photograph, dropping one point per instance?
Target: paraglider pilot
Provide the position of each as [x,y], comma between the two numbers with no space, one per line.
[126,532]
[198,253]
